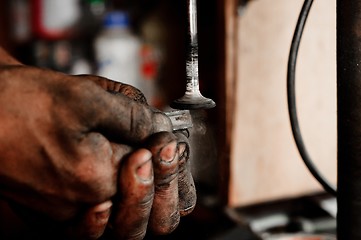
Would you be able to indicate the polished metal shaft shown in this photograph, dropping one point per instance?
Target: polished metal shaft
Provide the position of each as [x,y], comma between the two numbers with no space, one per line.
[192,98]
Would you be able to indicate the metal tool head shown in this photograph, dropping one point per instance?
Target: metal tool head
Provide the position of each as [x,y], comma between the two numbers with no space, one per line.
[181,119]
[193,102]
[192,98]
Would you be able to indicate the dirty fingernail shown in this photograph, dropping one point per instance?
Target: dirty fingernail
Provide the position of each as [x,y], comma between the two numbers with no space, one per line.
[182,148]
[145,170]
[103,206]
[102,215]
[168,152]
[102,211]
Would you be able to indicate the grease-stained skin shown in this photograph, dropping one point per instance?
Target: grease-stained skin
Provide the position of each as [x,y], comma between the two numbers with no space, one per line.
[77,160]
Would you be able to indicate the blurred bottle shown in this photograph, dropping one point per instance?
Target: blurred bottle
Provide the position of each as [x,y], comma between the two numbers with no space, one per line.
[55,19]
[117,50]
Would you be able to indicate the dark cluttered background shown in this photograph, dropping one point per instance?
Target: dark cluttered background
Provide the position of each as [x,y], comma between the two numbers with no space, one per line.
[62,35]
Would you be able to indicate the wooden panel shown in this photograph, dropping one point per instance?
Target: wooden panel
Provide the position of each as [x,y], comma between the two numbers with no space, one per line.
[265,164]
[227,37]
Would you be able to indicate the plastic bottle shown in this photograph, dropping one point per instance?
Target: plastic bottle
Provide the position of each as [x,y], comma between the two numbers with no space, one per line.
[117,50]
[54,19]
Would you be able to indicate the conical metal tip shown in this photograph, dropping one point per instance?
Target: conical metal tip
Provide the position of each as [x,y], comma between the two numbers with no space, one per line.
[192,102]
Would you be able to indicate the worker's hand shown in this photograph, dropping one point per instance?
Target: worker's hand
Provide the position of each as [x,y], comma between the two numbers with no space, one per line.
[70,151]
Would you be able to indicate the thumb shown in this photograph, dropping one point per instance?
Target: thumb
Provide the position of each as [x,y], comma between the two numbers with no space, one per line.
[130,121]
[116,116]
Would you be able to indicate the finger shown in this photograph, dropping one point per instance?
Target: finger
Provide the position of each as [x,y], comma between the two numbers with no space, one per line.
[133,206]
[118,87]
[116,116]
[165,215]
[186,187]
[92,224]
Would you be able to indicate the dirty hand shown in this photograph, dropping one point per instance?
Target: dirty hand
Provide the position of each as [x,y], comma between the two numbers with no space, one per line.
[70,152]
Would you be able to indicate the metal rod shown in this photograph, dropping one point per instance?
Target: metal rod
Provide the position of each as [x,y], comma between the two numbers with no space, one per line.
[192,15]
[192,98]
[192,61]
[349,118]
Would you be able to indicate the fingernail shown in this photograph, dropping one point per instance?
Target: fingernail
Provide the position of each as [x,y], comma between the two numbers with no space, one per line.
[182,148]
[168,152]
[103,206]
[145,171]
[100,216]
[102,211]
[183,152]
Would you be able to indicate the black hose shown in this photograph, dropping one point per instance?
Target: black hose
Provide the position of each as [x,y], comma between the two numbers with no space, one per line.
[291,93]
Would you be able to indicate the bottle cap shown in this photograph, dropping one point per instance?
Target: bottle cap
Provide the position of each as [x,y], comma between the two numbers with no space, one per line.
[116,19]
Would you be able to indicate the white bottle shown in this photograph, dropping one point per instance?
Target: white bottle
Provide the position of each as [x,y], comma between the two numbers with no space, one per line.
[117,50]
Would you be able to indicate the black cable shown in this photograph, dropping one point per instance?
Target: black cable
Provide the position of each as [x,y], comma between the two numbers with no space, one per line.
[291,93]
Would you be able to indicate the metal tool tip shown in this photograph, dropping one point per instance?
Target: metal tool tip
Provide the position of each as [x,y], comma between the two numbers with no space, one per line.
[191,104]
